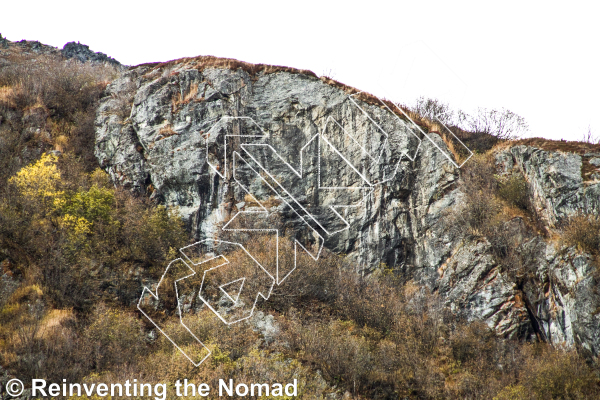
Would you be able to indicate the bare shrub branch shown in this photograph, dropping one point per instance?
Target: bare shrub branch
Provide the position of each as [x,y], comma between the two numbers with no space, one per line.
[502,124]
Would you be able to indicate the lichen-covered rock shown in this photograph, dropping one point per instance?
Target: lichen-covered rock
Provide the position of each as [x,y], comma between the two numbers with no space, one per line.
[564,298]
[160,145]
[161,130]
[266,325]
[474,286]
[556,182]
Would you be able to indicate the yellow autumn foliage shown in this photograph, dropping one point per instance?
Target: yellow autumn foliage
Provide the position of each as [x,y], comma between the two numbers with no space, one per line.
[40,181]
[78,225]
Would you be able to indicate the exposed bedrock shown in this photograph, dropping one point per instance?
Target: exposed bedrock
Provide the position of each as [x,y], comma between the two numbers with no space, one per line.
[214,142]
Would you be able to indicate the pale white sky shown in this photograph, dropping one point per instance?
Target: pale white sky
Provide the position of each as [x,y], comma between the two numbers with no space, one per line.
[538,59]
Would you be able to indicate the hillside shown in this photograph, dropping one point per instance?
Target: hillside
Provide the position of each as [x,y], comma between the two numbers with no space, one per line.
[372,267]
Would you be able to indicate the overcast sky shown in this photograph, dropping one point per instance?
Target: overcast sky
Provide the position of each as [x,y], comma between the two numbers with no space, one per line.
[538,59]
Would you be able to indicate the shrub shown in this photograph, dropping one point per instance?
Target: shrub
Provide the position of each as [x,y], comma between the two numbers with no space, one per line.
[515,191]
[512,392]
[90,229]
[114,338]
[92,205]
[147,232]
[556,374]
[341,356]
[479,212]
[63,87]
[479,208]
[478,133]
[434,110]
[82,138]
[583,231]
[368,336]
[39,182]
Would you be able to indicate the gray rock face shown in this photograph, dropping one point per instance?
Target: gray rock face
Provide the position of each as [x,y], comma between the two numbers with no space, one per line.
[163,143]
[555,178]
[562,294]
[475,286]
[215,142]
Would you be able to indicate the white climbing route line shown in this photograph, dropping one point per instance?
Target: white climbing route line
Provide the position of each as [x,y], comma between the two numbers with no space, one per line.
[245,283]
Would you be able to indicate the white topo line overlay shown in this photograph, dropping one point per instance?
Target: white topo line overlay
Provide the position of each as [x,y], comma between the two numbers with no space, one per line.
[249,162]
[207,301]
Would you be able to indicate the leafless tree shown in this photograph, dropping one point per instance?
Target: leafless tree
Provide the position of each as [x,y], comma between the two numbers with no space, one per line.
[502,124]
[434,110]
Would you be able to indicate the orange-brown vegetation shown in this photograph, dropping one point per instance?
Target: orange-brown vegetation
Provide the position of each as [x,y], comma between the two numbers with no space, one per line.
[565,146]
[184,98]
[203,62]
[166,131]
[583,231]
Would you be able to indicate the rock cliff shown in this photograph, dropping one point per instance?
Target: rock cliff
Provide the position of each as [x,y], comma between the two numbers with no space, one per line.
[218,139]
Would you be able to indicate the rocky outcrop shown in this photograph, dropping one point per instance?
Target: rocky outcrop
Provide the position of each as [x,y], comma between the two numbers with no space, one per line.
[83,53]
[71,50]
[162,145]
[556,181]
[562,290]
[217,142]
[26,47]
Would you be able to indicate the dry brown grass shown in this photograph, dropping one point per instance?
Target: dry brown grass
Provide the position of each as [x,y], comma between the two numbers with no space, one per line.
[564,146]
[250,201]
[458,151]
[583,231]
[53,321]
[181,99]
[499,209]
[6,93]
[401,111]
[203,62]
[61,143]
[166,131]
[367,336]
[272,201]
[473,142]
[404,112]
